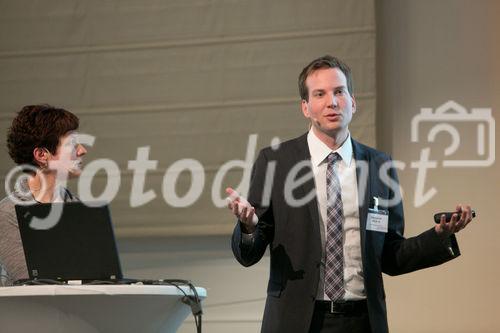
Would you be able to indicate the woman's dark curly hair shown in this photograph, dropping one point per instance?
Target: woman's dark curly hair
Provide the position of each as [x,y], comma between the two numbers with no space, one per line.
[38,126]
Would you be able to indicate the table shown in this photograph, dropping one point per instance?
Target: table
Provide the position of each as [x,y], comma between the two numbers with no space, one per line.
[93,308]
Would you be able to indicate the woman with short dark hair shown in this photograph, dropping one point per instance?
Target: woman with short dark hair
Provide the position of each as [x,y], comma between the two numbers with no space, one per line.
[42,141]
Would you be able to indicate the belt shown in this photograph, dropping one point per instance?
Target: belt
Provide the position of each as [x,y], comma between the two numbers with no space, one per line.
[345,307]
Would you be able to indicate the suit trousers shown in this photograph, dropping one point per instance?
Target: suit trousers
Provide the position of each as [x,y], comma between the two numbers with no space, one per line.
[326,322]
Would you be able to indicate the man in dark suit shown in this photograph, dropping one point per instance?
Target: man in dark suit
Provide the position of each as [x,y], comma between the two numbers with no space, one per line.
[332,220]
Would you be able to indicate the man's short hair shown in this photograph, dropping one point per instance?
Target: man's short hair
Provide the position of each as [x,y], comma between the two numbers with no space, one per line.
[326,61]
[38,126]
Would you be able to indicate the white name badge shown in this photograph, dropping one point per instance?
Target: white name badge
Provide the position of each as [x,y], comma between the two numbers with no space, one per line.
[377,220]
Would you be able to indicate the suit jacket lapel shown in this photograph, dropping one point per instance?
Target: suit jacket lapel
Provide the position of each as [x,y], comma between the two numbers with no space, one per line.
[304,154]
[363,180]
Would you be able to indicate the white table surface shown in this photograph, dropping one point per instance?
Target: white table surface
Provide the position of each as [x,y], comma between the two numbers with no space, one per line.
[93,308]
[103,289]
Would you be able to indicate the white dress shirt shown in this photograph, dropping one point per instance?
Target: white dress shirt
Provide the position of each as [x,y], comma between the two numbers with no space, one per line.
[353,266]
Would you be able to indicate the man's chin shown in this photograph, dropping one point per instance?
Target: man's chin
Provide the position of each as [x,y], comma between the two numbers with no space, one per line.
[333,131]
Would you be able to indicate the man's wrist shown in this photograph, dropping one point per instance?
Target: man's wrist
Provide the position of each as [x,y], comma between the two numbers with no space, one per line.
[445,237]
[247,229]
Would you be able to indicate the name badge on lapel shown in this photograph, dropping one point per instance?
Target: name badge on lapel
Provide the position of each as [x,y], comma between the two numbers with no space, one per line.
[377,219]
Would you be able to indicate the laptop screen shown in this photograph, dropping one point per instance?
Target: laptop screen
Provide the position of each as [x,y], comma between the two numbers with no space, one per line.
[79,246]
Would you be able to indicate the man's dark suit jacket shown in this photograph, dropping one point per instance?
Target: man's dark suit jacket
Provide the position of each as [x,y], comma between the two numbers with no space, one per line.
[294,239]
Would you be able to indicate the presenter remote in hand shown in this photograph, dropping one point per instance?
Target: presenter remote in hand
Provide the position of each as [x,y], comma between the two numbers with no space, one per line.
[459,220]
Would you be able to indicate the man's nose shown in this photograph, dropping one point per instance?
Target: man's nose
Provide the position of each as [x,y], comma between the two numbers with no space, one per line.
[81,150]
[332,100]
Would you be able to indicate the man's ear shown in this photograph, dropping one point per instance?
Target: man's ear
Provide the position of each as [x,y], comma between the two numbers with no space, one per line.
[305,109]
[41,156]
[353,104]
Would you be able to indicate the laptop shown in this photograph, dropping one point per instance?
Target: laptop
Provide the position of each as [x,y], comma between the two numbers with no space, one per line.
[80,246]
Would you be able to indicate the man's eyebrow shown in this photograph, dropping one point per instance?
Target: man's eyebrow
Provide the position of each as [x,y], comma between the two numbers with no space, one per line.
[334,88]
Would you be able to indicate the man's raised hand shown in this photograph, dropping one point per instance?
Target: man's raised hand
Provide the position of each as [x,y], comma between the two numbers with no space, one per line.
[242,209]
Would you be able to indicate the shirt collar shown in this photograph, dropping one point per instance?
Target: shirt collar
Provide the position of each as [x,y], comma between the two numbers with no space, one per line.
[319,150]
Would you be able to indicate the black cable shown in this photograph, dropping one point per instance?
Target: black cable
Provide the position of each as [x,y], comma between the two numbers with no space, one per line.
[194,302]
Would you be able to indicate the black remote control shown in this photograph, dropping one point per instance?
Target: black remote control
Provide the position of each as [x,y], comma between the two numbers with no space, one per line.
[437,217]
